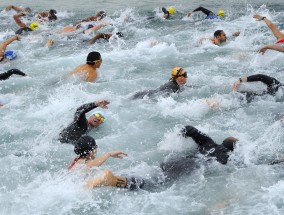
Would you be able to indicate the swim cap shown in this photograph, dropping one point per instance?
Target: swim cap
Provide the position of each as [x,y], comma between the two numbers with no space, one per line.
[84,145]
[171,10]
[93,57]
[177,72]
[100,113]
[33,25]
[229,143]
[10,55]
[221,13]
[89,26]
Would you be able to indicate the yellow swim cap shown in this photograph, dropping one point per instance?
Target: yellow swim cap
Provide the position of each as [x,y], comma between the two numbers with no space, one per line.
[177,72]
[221,13]
[171,10]
[33,25]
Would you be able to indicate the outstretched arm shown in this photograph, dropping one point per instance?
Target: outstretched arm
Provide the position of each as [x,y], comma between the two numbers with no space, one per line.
[100,160]
[17,9]
[99,36]
[18,21]
[202,9]
[6,75]
[272,27]
[95,28]
[4,44]
[272,47]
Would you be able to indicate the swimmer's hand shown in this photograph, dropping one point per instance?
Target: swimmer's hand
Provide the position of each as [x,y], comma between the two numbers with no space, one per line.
[102,104]
[258,17]
[211,103]
[18,37]
[262,50]
[236,85]
[117,154]
[189,14]
[236,34]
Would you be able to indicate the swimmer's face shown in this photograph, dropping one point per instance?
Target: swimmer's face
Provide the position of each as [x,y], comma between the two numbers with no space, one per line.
[222,38]
[181,80]
[98,63]
[94,121]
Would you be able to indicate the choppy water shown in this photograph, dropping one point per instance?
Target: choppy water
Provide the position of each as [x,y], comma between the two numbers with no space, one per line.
[33,176]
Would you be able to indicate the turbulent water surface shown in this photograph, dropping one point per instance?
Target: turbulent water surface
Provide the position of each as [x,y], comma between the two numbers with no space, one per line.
[33,175]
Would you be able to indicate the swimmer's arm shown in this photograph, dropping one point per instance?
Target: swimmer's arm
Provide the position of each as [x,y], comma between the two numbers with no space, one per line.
[82,110]
[9,73]
[18,21]
[211,103]
[17,9]
[95,28]
[4,45]
[272,47]
[237,83]
[99,161]
[99,36]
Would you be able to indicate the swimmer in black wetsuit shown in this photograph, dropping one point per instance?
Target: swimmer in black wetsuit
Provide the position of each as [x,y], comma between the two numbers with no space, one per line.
[6,75]
[81,124]
[209,14]
[172,169]
[23,27]
[179,78]
[273,85]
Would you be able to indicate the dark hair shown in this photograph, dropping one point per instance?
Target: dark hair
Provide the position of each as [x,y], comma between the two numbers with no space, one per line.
[217,33]
[229,143]
[101,14]
[84,145]
[119,34]
[51,15]
[92,57]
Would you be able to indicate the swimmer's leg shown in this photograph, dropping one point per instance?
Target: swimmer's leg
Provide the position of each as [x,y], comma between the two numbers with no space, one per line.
[108,179]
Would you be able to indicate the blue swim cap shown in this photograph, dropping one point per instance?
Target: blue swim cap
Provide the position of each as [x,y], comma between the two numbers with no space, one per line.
[10,55]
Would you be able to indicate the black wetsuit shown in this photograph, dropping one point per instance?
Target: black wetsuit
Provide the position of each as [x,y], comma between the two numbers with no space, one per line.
[79,126]
[21,31]
[209,13]
[206,145]
[6,75]
[272,86]
[167,88]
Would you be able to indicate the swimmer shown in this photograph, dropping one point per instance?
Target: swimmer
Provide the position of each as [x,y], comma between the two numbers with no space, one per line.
[207,146]
[98,17]
[81,124]
[50,15]
[88,71]
[209,14]
[103,36]
[18,9]
[220,37]
[9,55]
[178,80]
[279,44]
[9,73]
[23,26]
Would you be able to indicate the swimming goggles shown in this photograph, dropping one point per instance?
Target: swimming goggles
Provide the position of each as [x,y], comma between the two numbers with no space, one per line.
[179,73]
[100,116]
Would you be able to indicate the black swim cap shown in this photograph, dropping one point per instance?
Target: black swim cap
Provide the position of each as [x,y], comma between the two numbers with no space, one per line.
[92,57]
[119,34]
[229,143]
[84,145]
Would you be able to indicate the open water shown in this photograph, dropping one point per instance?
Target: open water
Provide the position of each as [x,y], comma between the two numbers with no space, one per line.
[33,175]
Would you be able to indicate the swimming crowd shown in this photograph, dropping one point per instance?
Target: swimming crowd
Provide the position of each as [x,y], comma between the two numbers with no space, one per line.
[85,146]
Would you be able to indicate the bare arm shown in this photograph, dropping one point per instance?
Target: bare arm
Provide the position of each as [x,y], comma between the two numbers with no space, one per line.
[100,160]
[272,27]
[18,21]
[99,36]
[4,45]
[272,47]
[17,9]
[95,28]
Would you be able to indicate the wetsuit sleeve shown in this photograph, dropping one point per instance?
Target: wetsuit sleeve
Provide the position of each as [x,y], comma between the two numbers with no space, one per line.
[204,10]
[80,115]
[200,138]
[272,83]
[6,75]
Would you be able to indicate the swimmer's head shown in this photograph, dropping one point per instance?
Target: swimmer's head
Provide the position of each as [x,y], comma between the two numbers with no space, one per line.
[51,15]
[230,143]
[171,10]
[28,9]
[101,14]
[119,34]
[220,35]
[96,118]
[94,58]
[179,75]
[33,26]
[84,146]
[221,13]
[10,55]
[166,13]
